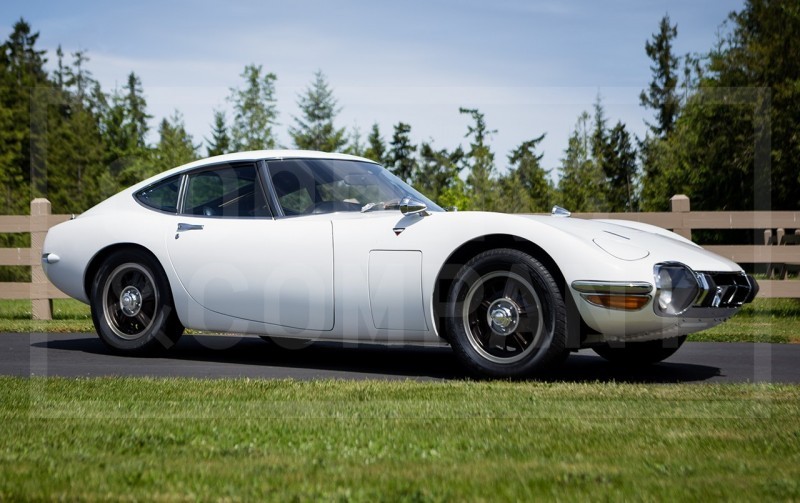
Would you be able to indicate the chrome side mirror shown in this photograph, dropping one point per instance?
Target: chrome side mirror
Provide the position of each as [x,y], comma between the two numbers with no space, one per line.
[410,206]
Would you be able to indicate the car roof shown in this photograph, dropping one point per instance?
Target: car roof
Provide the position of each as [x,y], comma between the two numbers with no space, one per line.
[250,155]
[253,155]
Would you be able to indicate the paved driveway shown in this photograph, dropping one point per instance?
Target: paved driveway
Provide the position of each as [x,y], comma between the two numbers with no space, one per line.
[75,355]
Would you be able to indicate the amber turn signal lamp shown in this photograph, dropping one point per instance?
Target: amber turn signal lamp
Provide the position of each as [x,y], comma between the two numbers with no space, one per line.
[622,302]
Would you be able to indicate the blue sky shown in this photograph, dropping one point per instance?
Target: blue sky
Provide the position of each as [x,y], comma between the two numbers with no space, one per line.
[530,66]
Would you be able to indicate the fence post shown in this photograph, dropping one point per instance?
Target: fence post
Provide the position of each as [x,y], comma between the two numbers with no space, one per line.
[41,308]
[680,203]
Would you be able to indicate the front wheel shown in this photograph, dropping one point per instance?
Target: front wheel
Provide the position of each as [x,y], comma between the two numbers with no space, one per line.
[640,353]
[132,306]
[506,316]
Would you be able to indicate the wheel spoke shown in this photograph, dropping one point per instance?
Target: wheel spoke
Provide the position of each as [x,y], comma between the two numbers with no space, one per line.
[146,291]
[509,288]
[143,318]
[140,281]
[116,287]
[496,342]
[520,341]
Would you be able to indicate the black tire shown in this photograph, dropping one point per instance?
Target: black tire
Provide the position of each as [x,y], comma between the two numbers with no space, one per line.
[132,306]
[287,343]
[505,315]
[640,353]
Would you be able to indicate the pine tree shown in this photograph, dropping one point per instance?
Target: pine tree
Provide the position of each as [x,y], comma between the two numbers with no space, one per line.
[60,74]
[175,145]
[600,148]
[255,111]
[136,111]
[400,158]
[662,94]
[124,126]
[22,75]
[620,171]
[355,144]
[376,147]
[438,171]
[581,186]
[480,162]
[315,130]
[80,78]
[526,187]
[220,142]
[75,152]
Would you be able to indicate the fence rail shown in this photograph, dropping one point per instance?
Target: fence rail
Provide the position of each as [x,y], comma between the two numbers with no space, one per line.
[681,220]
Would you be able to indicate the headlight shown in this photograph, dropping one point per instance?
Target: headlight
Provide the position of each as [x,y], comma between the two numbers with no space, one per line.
[676,288]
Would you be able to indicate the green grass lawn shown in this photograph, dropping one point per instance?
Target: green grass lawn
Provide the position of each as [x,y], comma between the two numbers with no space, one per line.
[185,439]
[765,320]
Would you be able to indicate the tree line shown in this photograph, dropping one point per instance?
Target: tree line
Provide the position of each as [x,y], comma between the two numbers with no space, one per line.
[724,132]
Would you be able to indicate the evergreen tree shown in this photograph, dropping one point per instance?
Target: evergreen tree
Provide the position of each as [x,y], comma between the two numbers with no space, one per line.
[75,151]
[22,73]
[662,94]
[438,173]
[735,143]
[255,111]
[600,147]
[136,111]
[400,158]
[60,74]
[480,162]
[355,145]
[175,145]
[124,127]
[526,187]
[80,79]
[376,147]
[620,171]
[220,142]
[581,186]
[315,130]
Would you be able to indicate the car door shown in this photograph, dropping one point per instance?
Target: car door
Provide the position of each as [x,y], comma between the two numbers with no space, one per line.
[234,258]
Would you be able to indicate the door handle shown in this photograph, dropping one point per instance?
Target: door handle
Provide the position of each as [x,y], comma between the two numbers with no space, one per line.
[189,227]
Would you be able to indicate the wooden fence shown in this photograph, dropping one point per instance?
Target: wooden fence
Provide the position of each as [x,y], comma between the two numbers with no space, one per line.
[775,251]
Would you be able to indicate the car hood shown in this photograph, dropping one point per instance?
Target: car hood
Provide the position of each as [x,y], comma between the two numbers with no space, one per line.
[632,241]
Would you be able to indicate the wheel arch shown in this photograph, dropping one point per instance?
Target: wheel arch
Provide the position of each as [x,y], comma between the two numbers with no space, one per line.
[577,329]
[97,261]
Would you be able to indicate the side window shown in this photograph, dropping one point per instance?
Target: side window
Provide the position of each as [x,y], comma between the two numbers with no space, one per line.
[225,191]
[294,185]
[163,196]
[305,186]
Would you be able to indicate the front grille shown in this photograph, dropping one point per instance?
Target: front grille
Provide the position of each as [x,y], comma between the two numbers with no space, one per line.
[725,289]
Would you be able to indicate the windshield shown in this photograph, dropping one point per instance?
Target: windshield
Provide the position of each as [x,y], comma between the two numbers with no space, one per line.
[305,186]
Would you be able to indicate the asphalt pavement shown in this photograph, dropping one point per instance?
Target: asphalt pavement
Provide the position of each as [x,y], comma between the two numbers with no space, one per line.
[83,355]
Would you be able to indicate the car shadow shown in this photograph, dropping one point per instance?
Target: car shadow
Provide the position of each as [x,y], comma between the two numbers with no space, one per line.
[370,360]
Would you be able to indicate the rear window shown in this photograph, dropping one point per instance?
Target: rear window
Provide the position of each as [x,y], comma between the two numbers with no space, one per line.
[162,196]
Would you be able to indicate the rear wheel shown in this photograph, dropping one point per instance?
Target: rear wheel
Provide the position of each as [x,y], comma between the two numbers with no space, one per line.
[131,304]
[640,353]
[506,316]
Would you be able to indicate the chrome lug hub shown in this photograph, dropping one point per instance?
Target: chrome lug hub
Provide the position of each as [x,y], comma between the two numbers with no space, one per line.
[503,316]
[130,301]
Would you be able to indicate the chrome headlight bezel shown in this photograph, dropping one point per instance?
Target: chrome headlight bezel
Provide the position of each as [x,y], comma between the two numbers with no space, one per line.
[677,288]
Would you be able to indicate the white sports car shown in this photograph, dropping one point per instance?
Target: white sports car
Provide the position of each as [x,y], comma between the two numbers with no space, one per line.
[306,246]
